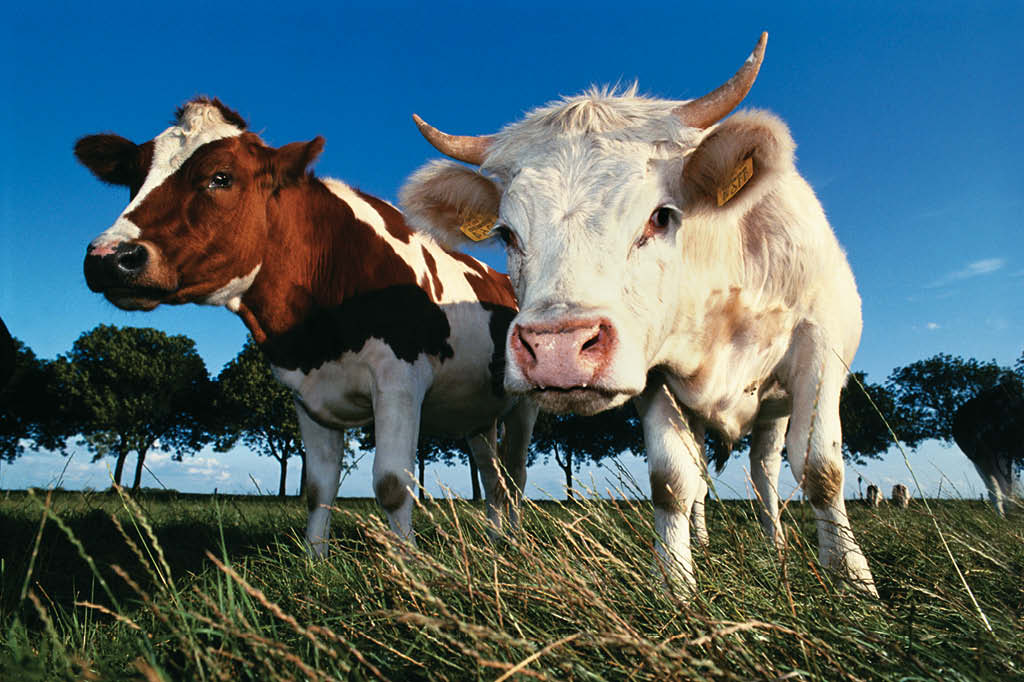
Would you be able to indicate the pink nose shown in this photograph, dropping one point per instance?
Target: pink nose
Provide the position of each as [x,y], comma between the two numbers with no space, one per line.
[563,354]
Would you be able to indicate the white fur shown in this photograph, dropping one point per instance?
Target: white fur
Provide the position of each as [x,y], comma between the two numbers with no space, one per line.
[749,310]
[230,295]
[200,123]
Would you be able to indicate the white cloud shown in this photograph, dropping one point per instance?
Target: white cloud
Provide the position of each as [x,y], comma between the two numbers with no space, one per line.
[932,326]
[986,266]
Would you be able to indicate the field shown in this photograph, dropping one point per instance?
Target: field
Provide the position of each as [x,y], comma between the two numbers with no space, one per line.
[181,587]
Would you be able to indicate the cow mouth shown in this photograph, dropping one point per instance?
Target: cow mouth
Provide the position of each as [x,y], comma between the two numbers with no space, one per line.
[578,400]
[140,298]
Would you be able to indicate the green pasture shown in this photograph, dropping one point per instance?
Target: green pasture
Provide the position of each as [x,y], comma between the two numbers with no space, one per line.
[163,586]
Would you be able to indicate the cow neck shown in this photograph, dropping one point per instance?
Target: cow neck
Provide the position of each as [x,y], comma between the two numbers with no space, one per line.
[319,254]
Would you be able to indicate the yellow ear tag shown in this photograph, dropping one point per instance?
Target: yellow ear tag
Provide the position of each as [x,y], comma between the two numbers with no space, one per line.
[477,226]
[741,175]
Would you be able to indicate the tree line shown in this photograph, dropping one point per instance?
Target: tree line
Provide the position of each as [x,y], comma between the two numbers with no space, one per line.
[126,390]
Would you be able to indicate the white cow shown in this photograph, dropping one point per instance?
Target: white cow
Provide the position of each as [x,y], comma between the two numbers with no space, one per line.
[659,256]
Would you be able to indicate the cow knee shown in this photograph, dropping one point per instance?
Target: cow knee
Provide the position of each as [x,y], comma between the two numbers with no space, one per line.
[390,492]
[823,482]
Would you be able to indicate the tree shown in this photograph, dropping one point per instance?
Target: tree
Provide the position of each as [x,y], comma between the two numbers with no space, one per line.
[254,407]
[864,411]
[571,440]
[128,390]
[26,404]
[928,392]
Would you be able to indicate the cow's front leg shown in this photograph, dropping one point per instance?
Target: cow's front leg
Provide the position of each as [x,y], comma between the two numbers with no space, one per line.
[324,450]
[698,521]
[767,441]
[675,457]
[814,450]
[396,420]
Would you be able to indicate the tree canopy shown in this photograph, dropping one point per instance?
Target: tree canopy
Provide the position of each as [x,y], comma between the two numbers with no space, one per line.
[26,404]
[929,392]
[252,406]
[129,389]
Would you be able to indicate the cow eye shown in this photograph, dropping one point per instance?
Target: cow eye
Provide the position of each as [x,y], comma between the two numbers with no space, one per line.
[507,237]
[661,218]
[659,221]
[220,180]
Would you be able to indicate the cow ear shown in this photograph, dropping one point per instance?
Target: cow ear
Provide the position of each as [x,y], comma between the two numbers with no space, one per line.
[737,163]
[450,202]
[113,159]
[291,161]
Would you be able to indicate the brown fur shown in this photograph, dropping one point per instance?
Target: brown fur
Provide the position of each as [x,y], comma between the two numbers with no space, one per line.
[823,483]
[390,492]
[756,134]
[665,487]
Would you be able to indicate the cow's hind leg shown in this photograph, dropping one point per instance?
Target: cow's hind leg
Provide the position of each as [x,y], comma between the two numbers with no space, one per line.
[324,449]
[519,424]
[675,458]
[767,441]
[484,449]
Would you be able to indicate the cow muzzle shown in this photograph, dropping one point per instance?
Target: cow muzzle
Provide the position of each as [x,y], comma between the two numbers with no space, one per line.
[124,273]
[564,363]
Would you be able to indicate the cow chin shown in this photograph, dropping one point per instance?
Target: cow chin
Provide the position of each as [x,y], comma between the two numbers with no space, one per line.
[582,401]
[127,299]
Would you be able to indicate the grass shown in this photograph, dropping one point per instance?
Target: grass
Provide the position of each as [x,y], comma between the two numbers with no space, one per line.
[182,587]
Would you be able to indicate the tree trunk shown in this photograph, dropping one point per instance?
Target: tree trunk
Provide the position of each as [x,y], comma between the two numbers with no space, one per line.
[284,476]
[566,467]
[474,477]
[302,474]
[119,467]
[423,474]
[138,470]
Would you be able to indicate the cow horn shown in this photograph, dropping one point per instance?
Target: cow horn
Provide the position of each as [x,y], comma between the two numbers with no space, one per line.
[469,148]
[716,105]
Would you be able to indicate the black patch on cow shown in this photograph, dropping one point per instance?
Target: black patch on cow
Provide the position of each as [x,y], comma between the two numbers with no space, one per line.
[402,316]
[501,318]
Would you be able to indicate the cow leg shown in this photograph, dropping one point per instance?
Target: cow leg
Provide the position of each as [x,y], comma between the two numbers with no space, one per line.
[698,521]
[767,441]
[484,449]
[396,421]
[324,449]
[519,424]
[675,457]
[814,449]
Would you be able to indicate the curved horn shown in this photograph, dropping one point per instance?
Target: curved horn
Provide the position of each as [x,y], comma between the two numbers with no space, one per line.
[716,105]
[468,148]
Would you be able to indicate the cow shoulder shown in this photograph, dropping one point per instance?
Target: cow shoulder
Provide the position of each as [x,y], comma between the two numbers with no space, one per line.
[443,197]
[737,163]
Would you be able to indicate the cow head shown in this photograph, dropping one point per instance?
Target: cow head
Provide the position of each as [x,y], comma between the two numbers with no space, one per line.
[608,208]
[197,217]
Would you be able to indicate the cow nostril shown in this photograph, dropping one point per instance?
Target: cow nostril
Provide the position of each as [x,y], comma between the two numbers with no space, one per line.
[526,344]
[131,258]
[592,341]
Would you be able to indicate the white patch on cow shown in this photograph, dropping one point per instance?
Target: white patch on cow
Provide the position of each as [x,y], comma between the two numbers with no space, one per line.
[360,207]
[200,124]
[230,295]
[451,272]
[122,230]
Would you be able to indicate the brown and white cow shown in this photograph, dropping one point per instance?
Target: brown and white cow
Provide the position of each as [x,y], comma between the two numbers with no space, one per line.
[658,254]
[874,496]
[360,317]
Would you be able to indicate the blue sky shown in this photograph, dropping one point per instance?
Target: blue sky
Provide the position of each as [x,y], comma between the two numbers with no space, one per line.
[907,120]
